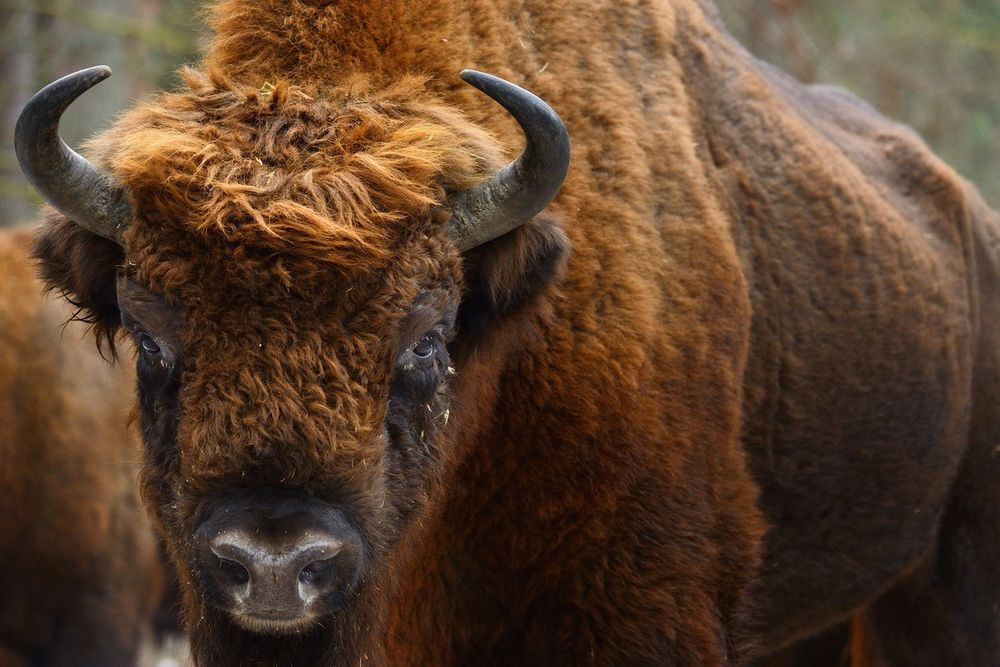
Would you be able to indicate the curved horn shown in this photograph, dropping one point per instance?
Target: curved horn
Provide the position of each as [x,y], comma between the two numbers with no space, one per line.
[525,186]
[65,179]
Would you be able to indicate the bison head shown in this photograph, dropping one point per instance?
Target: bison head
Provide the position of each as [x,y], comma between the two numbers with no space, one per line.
[295,266]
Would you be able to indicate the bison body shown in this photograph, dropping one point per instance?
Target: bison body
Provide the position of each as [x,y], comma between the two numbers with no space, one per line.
[80,570]
[737,382]
[868,417]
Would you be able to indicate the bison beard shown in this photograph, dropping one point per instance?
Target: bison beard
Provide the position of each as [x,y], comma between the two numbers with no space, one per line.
[754,399]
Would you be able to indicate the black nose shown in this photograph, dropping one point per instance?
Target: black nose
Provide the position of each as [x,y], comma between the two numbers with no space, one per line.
[282,581]
[277,568]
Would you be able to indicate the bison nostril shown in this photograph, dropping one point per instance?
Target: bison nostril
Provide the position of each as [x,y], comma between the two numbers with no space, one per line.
[233,571]
[272,574]
[318,571]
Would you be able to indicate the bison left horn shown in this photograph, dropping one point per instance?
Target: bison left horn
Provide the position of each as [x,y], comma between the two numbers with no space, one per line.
[69,182]
[525,186]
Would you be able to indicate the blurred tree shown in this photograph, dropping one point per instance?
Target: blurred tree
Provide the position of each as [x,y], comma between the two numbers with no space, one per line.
[142,40]
[928,63]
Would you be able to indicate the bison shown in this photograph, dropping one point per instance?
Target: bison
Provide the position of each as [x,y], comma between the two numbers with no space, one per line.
[403,404]
[80,568]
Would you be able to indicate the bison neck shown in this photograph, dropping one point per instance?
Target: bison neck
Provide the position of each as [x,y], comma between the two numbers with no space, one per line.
[331,42]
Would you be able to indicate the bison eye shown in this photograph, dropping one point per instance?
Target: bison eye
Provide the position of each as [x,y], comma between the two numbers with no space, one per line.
[424,347]
[420,369]
[148,345]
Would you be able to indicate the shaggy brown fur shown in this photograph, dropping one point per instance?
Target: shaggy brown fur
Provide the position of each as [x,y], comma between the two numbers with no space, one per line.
[770,317]
[80,573]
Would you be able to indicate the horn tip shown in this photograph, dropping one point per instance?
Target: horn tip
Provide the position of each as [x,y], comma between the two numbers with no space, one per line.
[472,77]
[99,72]
[488,83]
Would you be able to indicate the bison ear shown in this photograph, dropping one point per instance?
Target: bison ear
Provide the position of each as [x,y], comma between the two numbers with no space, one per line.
[82,267]
[509,274]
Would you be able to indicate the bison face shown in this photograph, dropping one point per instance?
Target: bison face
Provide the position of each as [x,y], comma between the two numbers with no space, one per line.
[291,265]
[291,432]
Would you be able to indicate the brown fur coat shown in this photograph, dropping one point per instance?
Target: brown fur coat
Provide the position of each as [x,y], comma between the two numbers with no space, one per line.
[718,397]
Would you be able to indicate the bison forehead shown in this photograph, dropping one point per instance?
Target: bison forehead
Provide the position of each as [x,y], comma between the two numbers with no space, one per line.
[284,369]
[299,417]
[301,398]
[329,174]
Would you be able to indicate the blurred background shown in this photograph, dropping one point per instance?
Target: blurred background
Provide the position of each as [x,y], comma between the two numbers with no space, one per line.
[40,40]
[930,63]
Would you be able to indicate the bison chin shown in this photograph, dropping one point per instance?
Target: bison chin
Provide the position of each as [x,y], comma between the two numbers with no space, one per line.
[277,565]
[268,626]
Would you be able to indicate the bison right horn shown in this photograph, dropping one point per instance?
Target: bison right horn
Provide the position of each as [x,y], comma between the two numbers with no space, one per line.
[525,186]
[67,181]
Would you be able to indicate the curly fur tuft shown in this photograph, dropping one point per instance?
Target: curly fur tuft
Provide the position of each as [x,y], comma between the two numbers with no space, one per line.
[322,173]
